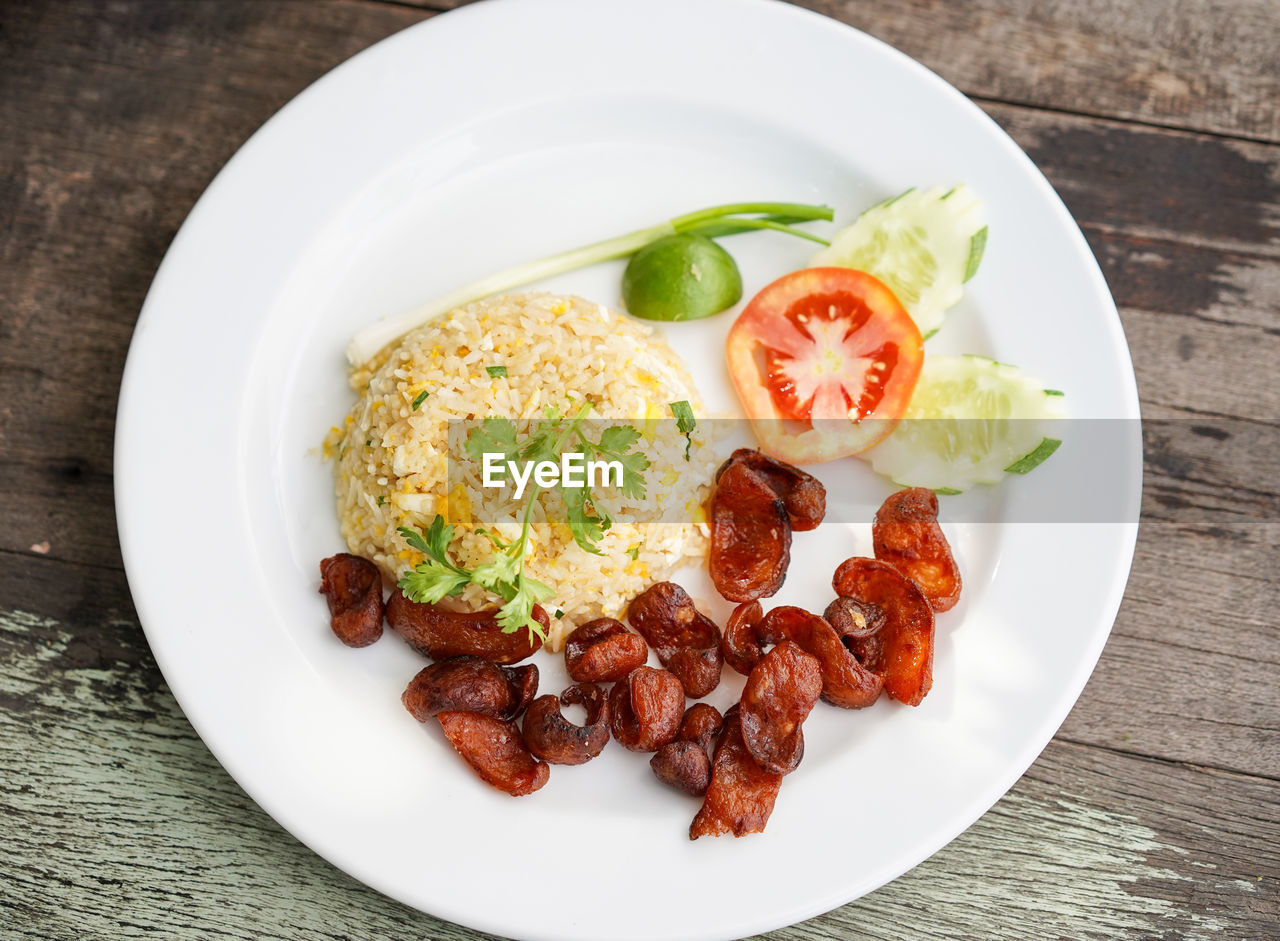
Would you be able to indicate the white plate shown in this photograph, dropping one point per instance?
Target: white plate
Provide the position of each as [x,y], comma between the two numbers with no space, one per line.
[494,135]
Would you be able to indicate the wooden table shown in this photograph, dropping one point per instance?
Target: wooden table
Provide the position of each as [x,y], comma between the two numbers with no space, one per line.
[1155,812]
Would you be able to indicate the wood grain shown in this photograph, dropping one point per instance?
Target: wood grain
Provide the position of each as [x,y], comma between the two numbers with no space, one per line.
[1156,811]
[1197,66]
[124,825]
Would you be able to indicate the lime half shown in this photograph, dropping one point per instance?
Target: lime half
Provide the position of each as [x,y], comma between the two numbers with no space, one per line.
[971,421]
[924,244]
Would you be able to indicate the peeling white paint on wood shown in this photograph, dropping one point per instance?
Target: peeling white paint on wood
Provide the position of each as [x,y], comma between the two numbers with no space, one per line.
[121,818]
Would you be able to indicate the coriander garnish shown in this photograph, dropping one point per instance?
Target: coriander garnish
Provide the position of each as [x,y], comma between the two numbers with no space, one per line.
[685,422]
[505,576]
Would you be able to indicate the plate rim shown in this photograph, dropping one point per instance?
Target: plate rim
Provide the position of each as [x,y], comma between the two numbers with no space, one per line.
[128,437]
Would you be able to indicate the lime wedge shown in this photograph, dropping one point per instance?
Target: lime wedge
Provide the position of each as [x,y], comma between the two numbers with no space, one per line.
[924,244]
[971,421]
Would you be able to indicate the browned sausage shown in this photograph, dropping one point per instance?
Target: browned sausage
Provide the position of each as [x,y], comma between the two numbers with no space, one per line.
[741,645]
[845,681]
[741,794]
[602,651]
[353,588]
[750,536]
[645,709]
[685,640]
[685,764]
[553,738]
[906,534]
[905,656]
[495,750]
[440,633]
[780,693]
[470,684]
[802,494]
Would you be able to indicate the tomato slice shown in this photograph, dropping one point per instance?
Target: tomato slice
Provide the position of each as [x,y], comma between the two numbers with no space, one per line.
[824,361]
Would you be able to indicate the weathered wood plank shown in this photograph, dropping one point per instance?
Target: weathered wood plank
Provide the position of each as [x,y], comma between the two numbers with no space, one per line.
[1199,66]
[95,198]
[122,825]
[1155,185]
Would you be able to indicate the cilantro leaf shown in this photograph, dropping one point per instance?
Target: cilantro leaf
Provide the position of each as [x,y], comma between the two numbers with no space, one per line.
[587,529]
[614,445]
[493,436]
[430,582]
[685,423]
[618,438]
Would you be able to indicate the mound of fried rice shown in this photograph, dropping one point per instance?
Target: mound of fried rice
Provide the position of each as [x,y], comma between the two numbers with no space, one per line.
[398,465]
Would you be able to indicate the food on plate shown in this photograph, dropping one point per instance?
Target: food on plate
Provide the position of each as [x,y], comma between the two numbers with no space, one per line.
[750,536]
[353,589]
[685,764]
[923,244]
[824,361]
[680,277]
[971,421]
[470,684]
[603,651]
[853,619]
[645,709]
[440,632]
[711,222]
[556,740]
[780,693]
[685,640]
[495,750]
[802,495]
[903,652]
[701,723]
[398,467]
[740,643]
[906,534]
[741,794]
[845,681]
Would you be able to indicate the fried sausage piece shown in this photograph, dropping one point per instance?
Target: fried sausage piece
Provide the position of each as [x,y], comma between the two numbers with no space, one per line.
[602,651]
[495,750]
[440,633]
[802,494]
[524,685]
[906,534]
[645,709]
[553,738]
[853,618]
[905,657]
[701,724]
[845,682]
[353,588]
[470,684]
[859,623]
[741,794]
[750,536]
[741,646]
[685,764]
[685,640]
[780,693]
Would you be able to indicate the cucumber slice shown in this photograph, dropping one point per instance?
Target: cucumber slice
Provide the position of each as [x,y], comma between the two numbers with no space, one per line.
[924,244]
[971,421]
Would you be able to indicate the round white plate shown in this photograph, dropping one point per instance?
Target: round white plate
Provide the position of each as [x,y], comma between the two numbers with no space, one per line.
[496,134]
